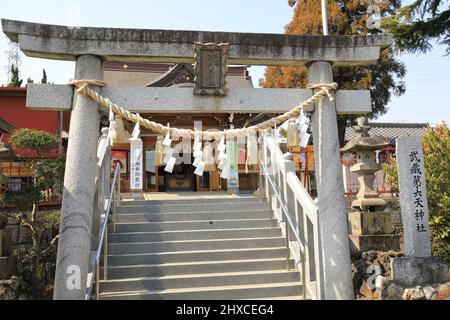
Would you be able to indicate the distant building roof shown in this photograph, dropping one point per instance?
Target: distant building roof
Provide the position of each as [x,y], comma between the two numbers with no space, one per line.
[390,131]
[6,127]
[165,75]
[13,91]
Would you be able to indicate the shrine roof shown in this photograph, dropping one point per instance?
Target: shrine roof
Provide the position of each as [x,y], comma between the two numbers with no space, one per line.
[390,131]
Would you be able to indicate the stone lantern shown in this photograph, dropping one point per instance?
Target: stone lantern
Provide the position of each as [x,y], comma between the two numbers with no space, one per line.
[370,224]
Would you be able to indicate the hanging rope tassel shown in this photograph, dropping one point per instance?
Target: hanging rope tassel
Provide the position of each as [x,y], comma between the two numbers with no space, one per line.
[292,134]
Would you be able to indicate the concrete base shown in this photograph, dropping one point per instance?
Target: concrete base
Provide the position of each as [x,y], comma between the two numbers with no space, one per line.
[7,267]
[369,223]
[411,271]
[385,242]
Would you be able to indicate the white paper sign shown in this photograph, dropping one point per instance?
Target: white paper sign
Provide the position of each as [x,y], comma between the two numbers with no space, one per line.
[136,132]
[198,153]
[221,147]
[170,165]
[225,172]
[168,152]
[200,168]
[222,156]
[303,129]
[197,161]
[304,141]
[167,141]
[136,165]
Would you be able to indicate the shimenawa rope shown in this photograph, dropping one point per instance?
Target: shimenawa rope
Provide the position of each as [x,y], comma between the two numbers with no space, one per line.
[84,90]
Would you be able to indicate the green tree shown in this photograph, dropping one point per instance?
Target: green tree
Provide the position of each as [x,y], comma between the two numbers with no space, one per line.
[383,79]
[48,173]
[44,76]
[436,145]
[417,25]
[15,77]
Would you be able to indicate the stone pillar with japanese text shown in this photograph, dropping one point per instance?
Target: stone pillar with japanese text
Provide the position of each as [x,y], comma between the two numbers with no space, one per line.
[418,266]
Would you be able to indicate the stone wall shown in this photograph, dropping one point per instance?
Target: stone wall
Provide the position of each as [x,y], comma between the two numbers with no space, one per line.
[372,280]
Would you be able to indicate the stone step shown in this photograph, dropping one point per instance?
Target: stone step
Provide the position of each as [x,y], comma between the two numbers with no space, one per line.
[193,216]
[191,245]
[194,225]
[194,235]
[246,291]
[199,280]
[193,207]
[153,270]
[192,201]
[195,256]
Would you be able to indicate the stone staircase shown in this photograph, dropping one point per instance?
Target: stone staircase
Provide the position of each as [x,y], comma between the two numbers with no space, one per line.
[198,249]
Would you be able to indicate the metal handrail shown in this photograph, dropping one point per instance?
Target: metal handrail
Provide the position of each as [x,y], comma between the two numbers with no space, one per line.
[114,197]
[309,211]
[289,222]
[285,211]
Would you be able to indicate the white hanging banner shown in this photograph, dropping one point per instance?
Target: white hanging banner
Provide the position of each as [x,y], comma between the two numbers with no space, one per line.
[136,165]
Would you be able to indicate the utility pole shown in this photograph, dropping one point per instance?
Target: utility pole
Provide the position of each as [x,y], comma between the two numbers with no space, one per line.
[324,18]
[13,54]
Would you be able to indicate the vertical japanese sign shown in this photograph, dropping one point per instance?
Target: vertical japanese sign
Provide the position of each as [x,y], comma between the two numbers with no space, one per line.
[413,196]
[136,164]
[232,154]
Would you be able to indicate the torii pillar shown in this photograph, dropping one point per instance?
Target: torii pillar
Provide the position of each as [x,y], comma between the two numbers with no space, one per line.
[74,246]
[334,239]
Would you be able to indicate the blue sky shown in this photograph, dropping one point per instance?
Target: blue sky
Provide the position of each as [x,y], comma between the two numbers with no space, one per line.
[428,79]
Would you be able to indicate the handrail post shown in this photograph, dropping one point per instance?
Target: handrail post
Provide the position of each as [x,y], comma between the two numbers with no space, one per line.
[105,254]
[114,208]
[97,279]
[288,251]
[116,201]
[303,262]
[288,166]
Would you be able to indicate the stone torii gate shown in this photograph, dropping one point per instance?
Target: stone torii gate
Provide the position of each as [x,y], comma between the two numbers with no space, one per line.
[90,47]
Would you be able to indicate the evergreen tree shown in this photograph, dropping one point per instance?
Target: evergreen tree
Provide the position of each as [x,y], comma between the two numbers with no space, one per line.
[15,77]
[420,22]
[344,18]
[44,76]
